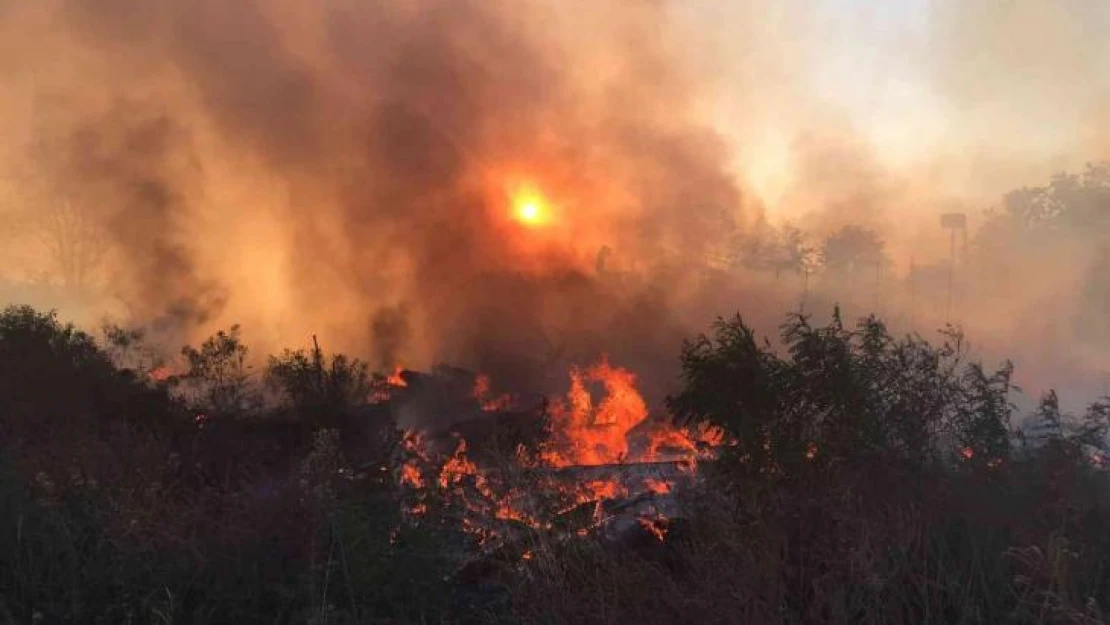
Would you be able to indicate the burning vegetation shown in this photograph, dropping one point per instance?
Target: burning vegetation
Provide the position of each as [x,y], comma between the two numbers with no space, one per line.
[598,447]
[321,487]
[513,217]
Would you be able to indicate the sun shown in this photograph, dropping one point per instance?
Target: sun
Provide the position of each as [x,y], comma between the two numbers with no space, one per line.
[528,212]
[529,208]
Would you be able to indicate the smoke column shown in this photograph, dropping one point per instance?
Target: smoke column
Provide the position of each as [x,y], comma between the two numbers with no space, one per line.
[354,169]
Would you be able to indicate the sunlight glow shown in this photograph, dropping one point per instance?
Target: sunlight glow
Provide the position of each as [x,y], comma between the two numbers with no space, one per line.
[529,208]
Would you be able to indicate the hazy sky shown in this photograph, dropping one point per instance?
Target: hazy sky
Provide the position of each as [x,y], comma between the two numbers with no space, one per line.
[985,82]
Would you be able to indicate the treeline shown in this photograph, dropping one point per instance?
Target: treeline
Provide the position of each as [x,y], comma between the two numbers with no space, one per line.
[1024,245]
[871,479]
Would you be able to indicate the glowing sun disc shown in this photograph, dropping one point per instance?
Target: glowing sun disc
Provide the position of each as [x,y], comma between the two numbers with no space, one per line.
[528,209]
[528,212]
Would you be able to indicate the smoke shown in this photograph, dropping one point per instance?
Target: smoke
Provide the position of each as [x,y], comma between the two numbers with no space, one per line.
[349,169]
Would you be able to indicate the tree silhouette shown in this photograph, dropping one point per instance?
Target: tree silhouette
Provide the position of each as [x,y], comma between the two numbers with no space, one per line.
[782,250]
[852,249]
[218,375]
[75,241]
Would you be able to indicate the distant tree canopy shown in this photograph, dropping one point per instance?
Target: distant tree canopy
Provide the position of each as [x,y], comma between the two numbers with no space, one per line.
[1070,209]
[1077,204]
[1067,221]
[853,248]
[782,250]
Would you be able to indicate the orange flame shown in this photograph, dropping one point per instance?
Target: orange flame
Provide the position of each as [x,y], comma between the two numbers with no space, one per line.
[811,451]
[603,489]
[483,394]
[655,525]
[160,374]
[383,390]
[395,378]
[587,430]
[410,476]
[589,435]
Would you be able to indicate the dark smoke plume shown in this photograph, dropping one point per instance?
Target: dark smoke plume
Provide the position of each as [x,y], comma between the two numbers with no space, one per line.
[349,169]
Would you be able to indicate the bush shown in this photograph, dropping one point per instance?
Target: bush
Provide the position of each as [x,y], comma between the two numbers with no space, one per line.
[321,392]
[869,479]
[843,400]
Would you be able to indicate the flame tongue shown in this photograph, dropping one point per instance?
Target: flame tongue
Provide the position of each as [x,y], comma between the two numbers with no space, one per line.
[586,435]
[396,379]
[486,399]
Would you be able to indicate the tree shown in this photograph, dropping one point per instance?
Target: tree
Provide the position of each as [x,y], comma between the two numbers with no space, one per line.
[1076,204]
[55,378]
[852,249]
[320,391]
[1047,422]
[1095,425]
[218,375]
[783,250]
[75,241]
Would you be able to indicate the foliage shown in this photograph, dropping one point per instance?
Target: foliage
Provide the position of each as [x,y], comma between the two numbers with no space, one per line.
[783,250]
[39,355]
[852,249]
[871,481]
[842,397]
[880,472]
[321,391]
[218,375]
[1076,203]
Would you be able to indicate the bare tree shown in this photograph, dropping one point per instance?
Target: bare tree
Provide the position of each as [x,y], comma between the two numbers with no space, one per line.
[74,240]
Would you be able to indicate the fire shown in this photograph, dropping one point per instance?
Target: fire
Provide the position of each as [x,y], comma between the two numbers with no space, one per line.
[602,420]
[395,378]
[656,526]
[603,489]
[410,475]
[811,451]
[382,390]
[587,435]
[485,397]
[457,467]
[160,374]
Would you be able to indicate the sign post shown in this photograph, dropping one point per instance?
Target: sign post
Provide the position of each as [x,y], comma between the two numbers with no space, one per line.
[953,222]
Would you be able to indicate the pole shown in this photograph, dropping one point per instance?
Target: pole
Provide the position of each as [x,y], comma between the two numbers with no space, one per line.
[951,273]
[913,294]
[878,288]
[805,287]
